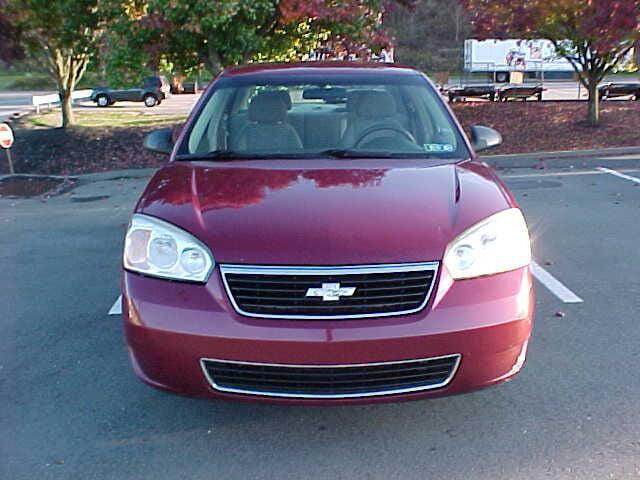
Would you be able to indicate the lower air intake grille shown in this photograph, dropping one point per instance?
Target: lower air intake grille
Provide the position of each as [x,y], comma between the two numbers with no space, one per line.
[330,381]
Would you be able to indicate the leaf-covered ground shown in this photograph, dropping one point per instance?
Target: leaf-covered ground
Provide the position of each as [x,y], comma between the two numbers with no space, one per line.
[526,127]
[54,151]
[101,141]
[548,126]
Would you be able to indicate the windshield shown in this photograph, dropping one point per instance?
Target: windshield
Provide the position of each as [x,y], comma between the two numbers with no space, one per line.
[404,119]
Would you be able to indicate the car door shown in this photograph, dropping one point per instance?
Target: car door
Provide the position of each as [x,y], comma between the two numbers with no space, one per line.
[118,95]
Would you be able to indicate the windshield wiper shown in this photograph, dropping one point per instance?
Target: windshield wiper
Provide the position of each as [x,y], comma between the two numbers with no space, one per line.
[234,155]
[332,152]
[217,155]
[352,153]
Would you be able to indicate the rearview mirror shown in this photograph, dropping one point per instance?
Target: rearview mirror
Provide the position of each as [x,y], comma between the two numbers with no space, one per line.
[484,137]
[160,141]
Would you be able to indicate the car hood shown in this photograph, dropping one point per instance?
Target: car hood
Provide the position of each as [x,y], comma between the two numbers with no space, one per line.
[342,212]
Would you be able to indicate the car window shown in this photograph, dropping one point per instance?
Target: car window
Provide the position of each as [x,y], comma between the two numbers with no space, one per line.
[308,119]
[151,82]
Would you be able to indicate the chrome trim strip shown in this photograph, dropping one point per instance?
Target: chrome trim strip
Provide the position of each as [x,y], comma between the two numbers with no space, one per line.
[380,393]
[346,270]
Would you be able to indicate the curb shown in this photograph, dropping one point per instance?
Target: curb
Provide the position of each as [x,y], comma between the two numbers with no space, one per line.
[91,177]
[629,157]
[117,174]
[37,175]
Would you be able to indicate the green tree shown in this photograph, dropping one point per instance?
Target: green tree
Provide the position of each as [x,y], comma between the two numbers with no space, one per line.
[64,34]
[213,34]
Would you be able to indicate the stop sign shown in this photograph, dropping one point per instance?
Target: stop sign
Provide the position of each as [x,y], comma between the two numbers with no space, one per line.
[6,136]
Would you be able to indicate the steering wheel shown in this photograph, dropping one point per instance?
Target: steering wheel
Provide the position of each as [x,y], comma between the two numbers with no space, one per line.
[370,131]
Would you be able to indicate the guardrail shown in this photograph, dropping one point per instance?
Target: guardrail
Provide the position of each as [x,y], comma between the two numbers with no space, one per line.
[54,99]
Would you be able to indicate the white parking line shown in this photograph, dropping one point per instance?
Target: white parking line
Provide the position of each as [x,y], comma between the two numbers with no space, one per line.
[116,308]
[554,285]
[567,174]
[618,174]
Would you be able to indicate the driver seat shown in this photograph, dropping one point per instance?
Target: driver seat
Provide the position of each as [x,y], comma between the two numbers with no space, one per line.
[367,110]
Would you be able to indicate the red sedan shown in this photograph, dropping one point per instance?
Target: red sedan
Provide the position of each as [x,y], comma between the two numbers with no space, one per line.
[324,233]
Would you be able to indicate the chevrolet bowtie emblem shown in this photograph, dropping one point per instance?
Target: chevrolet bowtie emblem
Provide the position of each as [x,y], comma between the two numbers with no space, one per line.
[331,292]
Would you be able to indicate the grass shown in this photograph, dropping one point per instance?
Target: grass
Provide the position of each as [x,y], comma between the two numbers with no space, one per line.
[40,81]
[7,80]
[103,119]
[13,80]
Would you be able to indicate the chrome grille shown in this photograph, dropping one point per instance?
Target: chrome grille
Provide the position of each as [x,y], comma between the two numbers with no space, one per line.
[330,381]
[296,292]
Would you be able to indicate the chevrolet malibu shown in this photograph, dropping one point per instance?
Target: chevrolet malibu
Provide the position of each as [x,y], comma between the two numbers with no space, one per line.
[324,234]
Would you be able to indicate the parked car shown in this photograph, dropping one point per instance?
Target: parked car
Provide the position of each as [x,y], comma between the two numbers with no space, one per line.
[154,90]
[324,233]
[520,92]
[614,90]
[463,92]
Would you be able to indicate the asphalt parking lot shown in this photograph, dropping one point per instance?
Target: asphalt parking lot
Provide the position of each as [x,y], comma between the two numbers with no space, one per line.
[71,407]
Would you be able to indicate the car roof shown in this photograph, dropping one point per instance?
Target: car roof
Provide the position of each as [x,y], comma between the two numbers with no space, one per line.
[315,68]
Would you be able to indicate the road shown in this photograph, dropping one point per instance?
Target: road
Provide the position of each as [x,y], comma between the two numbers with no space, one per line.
[176,105]
[71,407]
[14,102]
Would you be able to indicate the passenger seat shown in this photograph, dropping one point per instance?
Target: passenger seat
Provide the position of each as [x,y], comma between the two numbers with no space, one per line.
[268,130]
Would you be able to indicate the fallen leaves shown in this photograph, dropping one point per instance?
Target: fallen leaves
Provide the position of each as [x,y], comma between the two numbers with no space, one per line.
[56,151]
[551,126]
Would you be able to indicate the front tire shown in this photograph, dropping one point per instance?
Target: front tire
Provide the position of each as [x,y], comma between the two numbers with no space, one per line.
[151,101]
[102,101]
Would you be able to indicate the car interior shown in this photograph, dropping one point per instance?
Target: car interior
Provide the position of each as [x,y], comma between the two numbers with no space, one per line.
[302,119]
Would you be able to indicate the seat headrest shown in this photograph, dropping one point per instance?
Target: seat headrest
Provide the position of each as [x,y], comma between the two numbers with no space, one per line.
[269,107]
[374,104]
[284,96]
[353,97]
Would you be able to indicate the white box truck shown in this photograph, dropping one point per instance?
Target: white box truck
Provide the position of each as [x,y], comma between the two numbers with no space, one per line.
[501,57]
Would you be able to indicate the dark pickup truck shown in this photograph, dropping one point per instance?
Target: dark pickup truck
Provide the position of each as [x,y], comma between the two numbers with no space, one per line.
[613,90]
[154,90]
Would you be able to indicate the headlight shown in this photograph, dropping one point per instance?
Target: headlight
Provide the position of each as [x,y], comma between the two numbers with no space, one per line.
[497,244]
[159,249]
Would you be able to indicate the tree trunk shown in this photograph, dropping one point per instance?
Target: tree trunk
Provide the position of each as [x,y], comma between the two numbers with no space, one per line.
[67,68]
[594,104]
[213,61]
[68,118]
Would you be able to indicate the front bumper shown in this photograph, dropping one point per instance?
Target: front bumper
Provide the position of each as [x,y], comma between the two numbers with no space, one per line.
[171,326]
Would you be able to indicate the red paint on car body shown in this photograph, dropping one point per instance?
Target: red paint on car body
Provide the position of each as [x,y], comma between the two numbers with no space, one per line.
[325,212]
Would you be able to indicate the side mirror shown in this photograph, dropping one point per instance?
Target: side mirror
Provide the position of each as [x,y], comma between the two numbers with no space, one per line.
[160,141]
[484,137]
